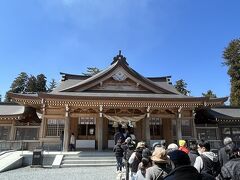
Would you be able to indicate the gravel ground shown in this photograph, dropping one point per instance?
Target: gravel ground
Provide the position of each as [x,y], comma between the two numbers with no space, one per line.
[82,173]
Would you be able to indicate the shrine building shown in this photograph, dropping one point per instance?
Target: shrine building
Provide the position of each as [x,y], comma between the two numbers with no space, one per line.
[92,107]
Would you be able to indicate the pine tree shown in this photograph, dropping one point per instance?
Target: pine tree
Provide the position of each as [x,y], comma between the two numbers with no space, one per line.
[181,86]
[19,84]
[91,71]
[41,83]
[31,85]
[7,98]
[231,56]
[52,85]
[209,94]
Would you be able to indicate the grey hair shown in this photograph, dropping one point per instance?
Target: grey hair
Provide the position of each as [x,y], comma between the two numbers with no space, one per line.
[227,140]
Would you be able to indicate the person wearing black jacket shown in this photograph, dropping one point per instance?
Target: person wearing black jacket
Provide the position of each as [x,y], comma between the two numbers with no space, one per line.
[193,153]
[183,170]
[231,169]
[224,152]
[119,154]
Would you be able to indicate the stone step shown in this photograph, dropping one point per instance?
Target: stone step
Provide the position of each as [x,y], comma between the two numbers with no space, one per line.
[80,161]
[91,154]
[96,155]
[91,158]
[87,165]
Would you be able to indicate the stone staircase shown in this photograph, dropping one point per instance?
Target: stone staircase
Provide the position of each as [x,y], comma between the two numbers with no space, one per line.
[89,159]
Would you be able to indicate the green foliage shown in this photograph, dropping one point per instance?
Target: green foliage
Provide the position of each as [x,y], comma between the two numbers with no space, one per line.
[52,85]
[181,86]
[91,71]
[41,83]
[7,98]
[231,56]
[209,94]
[20,82]
[25,84]
[31,85]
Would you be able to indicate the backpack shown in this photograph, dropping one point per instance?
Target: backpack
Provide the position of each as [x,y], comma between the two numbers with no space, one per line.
[162,175]
[210,167]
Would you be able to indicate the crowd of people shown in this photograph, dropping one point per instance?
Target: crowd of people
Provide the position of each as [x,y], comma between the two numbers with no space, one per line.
[177,162]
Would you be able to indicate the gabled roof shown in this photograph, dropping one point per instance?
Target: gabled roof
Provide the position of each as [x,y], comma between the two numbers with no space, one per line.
[106,85]
[217,114]
[159,85]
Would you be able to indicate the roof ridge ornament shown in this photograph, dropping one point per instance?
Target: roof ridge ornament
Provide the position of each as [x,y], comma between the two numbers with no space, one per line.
[120,58]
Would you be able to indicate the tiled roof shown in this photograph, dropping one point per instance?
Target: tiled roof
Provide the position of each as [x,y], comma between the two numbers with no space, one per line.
[226,112]
[217,114]
[9,109]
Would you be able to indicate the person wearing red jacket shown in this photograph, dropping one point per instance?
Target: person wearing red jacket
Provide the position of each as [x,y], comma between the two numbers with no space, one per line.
[183,146]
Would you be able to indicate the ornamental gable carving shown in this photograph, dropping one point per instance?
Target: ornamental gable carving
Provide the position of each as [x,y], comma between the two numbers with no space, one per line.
[115,85]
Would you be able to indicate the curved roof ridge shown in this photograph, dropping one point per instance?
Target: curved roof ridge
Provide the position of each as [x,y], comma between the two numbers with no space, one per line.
[121,60]
[101,73]
[152,82]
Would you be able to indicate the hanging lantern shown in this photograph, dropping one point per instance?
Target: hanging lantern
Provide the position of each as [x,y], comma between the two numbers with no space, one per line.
[115,124]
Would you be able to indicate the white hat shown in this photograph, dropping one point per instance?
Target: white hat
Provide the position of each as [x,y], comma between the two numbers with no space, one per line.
[172,146]
[227,140]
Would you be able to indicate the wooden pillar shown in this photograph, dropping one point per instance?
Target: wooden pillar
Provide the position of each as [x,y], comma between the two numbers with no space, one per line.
[100,130]
[147,130]
[147,127]
[66,130]
[100,133]
[42,127]
[179,124]
[43,124]
[194,126]
[12,132]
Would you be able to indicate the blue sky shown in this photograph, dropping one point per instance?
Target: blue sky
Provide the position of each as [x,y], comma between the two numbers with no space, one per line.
[181,38]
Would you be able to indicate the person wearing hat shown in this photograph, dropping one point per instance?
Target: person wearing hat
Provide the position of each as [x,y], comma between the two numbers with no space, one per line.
[136,158]
[224,152]
[128,147]
[159,144]
[182,168]
[160,161]
[171,147]
[144,164]
[183,146]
